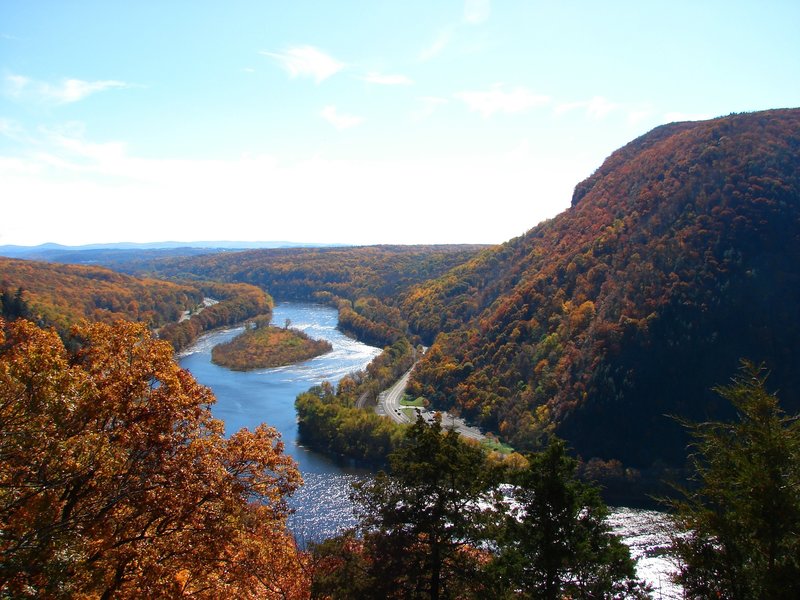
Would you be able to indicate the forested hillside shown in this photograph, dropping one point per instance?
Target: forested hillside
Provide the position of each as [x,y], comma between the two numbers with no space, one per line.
[61,295]
[365,283]
[677,258]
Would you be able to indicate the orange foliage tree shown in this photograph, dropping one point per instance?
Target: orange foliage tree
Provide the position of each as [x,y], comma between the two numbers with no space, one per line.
[115,480]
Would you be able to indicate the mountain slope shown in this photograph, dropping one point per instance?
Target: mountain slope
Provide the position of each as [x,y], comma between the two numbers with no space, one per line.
[677,258]
[61,295]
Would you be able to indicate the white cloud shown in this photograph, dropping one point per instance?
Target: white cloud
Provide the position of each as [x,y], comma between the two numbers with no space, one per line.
[476,11]
[339,120]
[307,61]
[16,85]
[440,43]
[427,106]
[382,79]
[638,116]
[73,90]
[87,191]
[498,100]
[67,91]
[598,107]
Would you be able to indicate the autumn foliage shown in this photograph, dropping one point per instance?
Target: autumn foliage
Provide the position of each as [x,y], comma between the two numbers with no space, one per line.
[238,302]
[115,480]
[267,346]
[364,283]
[677,258]
[61,295]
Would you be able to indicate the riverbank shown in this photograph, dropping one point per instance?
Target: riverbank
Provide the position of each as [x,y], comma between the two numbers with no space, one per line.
[322,505]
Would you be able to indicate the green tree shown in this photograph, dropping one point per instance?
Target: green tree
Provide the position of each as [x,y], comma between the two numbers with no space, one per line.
[13,306]
[425,520]
[738,527]
[557,542]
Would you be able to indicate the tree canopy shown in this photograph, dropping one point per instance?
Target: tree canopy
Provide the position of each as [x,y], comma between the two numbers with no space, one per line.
[441,525]
[115,481]
[738,527]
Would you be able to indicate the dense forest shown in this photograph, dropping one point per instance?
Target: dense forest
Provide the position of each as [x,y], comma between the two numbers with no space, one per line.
[364,283]
[341,422]
[677,258]
[301,273]
[237,302]
[262,346]
[61,295]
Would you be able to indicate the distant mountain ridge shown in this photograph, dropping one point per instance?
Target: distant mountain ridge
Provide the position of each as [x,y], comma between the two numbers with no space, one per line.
[679,256]
[50,249]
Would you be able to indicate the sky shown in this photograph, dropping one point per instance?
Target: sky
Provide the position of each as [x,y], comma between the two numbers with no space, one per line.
[353,122]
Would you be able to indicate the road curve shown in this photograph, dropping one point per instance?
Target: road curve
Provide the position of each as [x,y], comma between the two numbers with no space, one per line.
[389,406]
[389,400]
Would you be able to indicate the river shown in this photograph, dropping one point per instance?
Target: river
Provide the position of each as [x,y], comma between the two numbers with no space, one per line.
[322,507]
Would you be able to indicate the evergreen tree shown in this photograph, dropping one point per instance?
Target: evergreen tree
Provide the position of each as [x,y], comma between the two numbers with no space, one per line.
[13,306]
[441,525]
[423,523]
[738,528]
[557,543]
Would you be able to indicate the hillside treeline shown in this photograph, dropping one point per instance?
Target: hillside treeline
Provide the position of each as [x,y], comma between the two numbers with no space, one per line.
[341,422]
[236,303]
[677,259]
[364,283]
[61,295]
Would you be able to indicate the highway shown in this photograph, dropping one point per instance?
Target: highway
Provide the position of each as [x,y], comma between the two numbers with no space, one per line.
[389,405]
[389,400]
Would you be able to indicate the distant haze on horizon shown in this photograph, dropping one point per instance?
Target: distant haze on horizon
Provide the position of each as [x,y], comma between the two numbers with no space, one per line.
[349,122]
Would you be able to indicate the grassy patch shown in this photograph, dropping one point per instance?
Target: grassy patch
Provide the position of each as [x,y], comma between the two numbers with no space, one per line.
[408,401]
[497,446]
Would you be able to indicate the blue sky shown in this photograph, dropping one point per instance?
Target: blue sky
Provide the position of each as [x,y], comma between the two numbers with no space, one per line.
[352,122]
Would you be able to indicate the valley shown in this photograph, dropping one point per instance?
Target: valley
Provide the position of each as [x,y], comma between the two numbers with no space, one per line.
[608,329]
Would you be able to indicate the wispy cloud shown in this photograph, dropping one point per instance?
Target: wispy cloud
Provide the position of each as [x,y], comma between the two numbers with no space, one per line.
[339,120]
[440,43]
[499,100]
[427,106]
[476,11]
[598,107]
[20,87]
[383,79]
[307,61]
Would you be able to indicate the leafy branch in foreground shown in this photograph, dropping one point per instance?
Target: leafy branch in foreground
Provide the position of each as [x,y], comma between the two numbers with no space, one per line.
[115,480]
